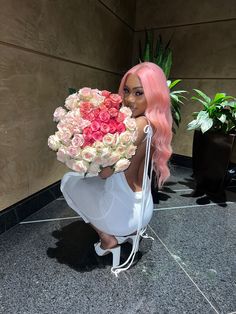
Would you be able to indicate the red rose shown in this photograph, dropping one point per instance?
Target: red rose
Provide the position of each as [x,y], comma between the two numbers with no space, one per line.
[113,112]
[105,128]
[104,116]
[120,117]
[86,107]
[112,125]
[95,126]
[120,127]
[96,112]
[87,133]
[89,116]
[97,136]
[115,98]
[105,93]
[107,103]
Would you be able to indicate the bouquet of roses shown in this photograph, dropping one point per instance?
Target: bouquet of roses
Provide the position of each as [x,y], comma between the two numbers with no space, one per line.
[94,131]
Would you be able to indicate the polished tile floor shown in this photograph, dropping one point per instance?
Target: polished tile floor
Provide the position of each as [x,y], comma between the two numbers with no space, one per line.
[47,263]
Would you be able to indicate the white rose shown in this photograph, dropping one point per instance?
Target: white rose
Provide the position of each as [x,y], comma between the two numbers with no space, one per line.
[62,155]
[54,142]
[130,151]
[88,153]
[80,166]
[122,165]
[59,113]
[94,169]
[109,139]
[127,111]
[130,124]
[72,101]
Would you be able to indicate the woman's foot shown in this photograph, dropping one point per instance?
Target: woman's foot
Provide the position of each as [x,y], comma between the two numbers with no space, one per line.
[107,241]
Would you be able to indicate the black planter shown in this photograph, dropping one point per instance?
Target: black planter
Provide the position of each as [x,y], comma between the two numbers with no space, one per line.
[211,156]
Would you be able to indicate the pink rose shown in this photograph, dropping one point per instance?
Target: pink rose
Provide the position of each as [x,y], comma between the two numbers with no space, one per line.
[113,112]
[72,151]
[59,113]
[87,133]
[106,93]
[121,117]
[95,126]
[105,128]
[81,166]
[104,116]
[78,140]
[130,123]
[120,127]
[85,93]
[86,107]
[112,125]
[115,98]
[97,136]
[62,154]
[127,111]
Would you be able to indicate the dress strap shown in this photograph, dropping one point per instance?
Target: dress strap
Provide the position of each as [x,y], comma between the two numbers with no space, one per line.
[140,231]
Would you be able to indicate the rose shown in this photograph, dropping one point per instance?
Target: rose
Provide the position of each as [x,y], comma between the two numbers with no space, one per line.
[104,116]
[97,97]
[115,98]
[113,112]
[120,150]
[94,169]
[127,111]
[86,107]
[81,124]
[104,127]
[112,125]
[87,133]
[54,142]
[122,165]
[78,140]
[80,166]
[98,146]
[109,139]
[85,93]
[95,126]
[88,153]
[120,127]
[125,138]
[113,158]
[130,151]
[73,151]
[64,135]
[120,117]
[72,101]
[105,154]
[62,154]
[97,136]
[106,93]
[59,113]
[107,103]
[130,123]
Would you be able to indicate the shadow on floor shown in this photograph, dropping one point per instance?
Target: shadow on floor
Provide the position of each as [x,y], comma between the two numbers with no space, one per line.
[75,248]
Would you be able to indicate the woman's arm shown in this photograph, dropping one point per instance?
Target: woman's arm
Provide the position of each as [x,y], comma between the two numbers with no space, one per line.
[106,172]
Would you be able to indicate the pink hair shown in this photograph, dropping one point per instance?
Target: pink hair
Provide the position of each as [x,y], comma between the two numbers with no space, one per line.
[158,113]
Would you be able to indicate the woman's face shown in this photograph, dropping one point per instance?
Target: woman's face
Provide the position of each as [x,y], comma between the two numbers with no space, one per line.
[134,97]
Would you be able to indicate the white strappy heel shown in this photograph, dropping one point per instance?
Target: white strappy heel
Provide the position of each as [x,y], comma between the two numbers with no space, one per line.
[115,253]
[129,238]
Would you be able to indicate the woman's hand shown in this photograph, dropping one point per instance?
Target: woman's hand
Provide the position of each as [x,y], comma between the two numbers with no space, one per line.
[106,172]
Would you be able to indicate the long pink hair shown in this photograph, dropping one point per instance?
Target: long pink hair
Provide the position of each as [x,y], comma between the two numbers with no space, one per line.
[158,113]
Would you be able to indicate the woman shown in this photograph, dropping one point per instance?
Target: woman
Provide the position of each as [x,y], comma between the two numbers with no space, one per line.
[120,205]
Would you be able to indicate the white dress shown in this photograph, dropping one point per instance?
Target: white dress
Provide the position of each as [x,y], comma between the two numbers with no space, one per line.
[108,204]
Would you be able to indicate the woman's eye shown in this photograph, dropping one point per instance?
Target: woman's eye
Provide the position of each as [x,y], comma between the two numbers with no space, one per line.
[126,91]
[138,93]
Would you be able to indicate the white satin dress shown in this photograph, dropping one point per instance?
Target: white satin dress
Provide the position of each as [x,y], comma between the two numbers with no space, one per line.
[108,204]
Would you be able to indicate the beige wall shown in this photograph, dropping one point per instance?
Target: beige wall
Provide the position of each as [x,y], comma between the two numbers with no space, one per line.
[204,49]
[45,47]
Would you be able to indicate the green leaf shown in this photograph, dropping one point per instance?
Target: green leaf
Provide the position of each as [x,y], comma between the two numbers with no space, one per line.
[175,82]
[71,90]
[205,104]
[204,96]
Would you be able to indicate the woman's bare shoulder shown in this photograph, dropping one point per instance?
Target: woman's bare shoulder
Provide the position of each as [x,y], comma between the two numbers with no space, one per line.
[141,123]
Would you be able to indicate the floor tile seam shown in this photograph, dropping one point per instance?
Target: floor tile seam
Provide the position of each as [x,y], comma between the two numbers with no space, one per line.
[186,273]
[191,206]
[49,220]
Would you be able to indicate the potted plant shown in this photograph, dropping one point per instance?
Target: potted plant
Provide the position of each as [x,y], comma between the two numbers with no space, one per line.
[215,129]
[161,55]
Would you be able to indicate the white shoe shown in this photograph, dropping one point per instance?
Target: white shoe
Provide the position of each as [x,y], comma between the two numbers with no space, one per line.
[115,252]
[129,238]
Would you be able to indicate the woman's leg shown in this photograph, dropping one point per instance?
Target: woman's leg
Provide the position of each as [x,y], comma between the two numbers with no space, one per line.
[107,241]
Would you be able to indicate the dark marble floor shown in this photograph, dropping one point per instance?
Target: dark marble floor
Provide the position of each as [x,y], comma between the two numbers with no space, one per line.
[48,264]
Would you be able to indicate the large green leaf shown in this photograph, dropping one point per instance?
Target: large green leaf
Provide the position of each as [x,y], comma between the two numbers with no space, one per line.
[204,96]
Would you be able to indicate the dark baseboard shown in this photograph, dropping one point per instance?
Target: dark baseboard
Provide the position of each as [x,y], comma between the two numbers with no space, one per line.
[181,160]
[14,214]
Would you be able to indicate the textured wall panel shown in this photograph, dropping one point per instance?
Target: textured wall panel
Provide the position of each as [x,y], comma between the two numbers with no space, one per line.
[157,13]
[31,87]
